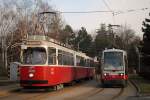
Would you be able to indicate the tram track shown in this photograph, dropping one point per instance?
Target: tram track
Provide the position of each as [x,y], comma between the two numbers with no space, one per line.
[89,90]
[29,94]
[33,94]
[68,90]
[87,94]
[124,90]
[21,94]
[118,94]
[96,92]
[55,93]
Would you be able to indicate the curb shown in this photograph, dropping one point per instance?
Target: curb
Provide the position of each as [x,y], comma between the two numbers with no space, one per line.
[137,88]
[7,82]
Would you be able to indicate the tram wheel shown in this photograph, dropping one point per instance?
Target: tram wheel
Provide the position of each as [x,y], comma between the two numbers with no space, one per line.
[59,87]
[48,89]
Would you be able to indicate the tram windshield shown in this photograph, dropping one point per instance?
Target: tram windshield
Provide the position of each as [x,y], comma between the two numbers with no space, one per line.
[113,60]
[34,56]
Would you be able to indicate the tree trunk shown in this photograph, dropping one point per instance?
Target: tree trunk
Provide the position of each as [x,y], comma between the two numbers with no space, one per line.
[6,65]
[4,70]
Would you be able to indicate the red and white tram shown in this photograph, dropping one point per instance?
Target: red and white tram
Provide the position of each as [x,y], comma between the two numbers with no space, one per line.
[114,67]
[47,63]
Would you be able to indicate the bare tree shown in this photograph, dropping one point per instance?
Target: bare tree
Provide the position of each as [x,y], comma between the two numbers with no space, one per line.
[20,19]
[7,27]
[125,36]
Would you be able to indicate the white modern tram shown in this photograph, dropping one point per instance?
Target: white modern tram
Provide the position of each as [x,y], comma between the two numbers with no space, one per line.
[114,66]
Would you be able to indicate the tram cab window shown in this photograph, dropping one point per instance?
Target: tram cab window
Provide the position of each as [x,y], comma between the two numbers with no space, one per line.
[115,59]
[34,55]
[51,55]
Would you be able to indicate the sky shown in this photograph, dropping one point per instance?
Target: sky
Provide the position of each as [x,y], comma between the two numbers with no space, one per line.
[92,21]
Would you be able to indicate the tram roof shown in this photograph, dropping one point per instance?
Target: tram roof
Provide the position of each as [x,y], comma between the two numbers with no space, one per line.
[49,42]
[115,50]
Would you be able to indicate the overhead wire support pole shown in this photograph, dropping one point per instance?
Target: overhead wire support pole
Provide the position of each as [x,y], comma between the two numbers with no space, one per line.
[43,13]
[107,6]
[113,13]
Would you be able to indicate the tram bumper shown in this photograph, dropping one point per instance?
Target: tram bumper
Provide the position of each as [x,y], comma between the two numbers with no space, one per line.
[114,79]
[33,82]
[113,82]
[34,76]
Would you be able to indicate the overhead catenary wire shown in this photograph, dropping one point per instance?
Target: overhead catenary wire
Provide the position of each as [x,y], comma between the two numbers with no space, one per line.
[130,10]
[98,11]
[88,12]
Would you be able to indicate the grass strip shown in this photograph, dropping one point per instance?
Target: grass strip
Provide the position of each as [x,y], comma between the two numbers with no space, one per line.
[142,83]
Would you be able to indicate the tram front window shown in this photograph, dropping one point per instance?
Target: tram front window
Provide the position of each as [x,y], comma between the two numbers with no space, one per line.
[34,56]
[113,60]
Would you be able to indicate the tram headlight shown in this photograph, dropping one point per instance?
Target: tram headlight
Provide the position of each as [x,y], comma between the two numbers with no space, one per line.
[106,74]
[31,75]
[121,74]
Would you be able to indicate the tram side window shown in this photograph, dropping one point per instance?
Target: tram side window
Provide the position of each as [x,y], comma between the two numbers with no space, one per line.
[80,61]
[60,57]
[77,60]
[126,61]
[87,63]
[91,63]
[65,58]
[51,56]
[70,59]
[126,64]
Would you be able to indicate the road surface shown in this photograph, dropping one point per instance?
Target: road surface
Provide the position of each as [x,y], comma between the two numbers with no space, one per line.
[87,90]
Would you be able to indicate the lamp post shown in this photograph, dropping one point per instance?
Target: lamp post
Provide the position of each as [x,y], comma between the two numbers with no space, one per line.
[139,57]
